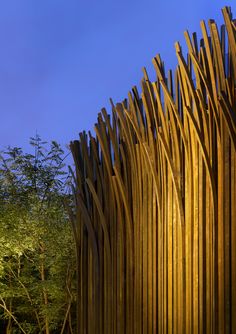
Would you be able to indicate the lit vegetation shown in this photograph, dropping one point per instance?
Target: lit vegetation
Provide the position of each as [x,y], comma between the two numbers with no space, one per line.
[37,262]
[147,242]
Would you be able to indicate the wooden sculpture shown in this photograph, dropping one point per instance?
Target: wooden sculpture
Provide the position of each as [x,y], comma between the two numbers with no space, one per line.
[155,222]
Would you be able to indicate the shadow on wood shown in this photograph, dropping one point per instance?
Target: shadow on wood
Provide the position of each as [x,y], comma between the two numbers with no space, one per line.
[155,197]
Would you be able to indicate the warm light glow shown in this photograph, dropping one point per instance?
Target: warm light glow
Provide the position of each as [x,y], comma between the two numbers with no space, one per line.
[156,199]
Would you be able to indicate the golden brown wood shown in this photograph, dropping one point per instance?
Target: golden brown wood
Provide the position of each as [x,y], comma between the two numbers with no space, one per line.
[155,222]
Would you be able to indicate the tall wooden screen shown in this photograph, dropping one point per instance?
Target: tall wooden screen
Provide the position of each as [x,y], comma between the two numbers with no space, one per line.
[155,222]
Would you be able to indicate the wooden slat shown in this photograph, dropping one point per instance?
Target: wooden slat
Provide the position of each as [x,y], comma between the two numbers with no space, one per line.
[155,200]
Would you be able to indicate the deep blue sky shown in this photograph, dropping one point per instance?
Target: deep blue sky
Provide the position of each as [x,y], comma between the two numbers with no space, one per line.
[61,60]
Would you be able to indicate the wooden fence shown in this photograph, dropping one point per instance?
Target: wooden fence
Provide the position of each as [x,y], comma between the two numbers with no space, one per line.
[155,221]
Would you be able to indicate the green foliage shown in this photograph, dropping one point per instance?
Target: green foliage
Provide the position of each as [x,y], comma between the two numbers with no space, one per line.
[36,245]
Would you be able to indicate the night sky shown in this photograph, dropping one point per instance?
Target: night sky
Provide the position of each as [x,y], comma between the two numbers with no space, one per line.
[61,60]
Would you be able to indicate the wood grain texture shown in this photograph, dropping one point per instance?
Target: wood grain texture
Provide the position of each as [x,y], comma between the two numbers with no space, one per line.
[155,220]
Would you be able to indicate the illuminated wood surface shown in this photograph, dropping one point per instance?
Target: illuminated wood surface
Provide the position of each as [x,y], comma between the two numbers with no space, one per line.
[155,192]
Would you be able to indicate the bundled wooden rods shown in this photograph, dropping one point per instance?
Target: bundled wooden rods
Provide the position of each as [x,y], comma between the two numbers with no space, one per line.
[155,223]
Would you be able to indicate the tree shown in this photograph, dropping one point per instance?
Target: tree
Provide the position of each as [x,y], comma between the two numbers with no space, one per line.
[37,288]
